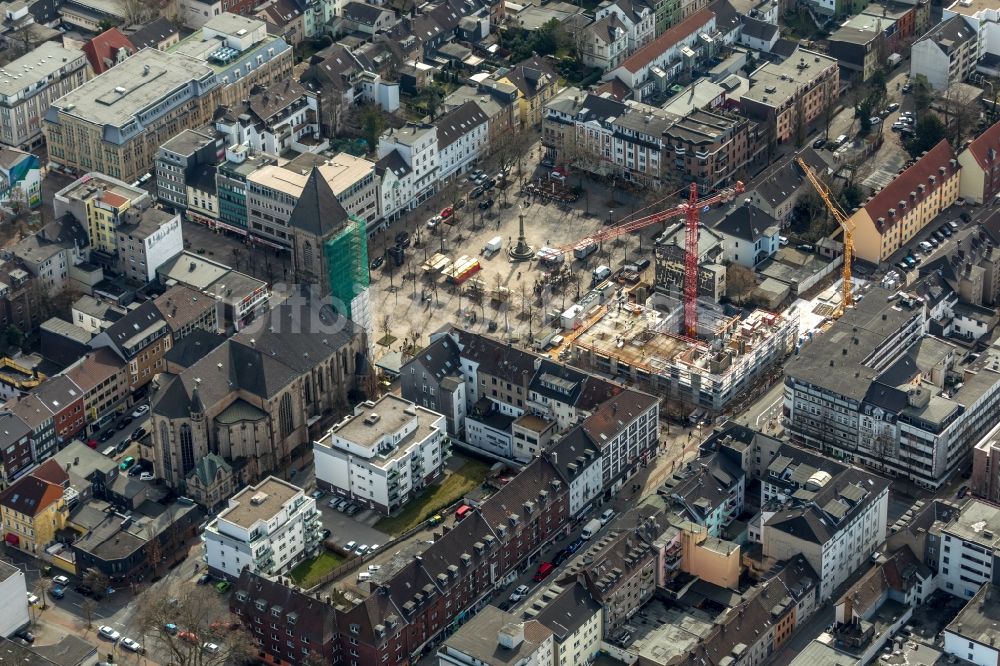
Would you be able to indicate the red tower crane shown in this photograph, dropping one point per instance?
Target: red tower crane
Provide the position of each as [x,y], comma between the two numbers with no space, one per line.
[691,264]
[691,210]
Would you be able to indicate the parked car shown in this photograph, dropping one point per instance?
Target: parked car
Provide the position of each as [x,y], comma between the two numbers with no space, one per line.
[519,592]
[57,592]
[132,645]
[138,433]
[962,491]
[140,411]
[107,434]
[325,534]
[353,509]
[127,463]
[486,205]
[544,569]
[953,224]
[361,550]
[188,636]
[434,221]
[170,628]
[109,633]
[819,143]
[205,579]
[607,516]
[60,580]
[477,192]
[892,107]
[211,648]
[350,546]
[907,88]
[146,476]
[26,636]
[447,212]
[377,263]
[558,176]
[32,599]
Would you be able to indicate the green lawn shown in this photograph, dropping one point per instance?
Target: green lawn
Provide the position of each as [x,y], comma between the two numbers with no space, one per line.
[309,572]
[433,499]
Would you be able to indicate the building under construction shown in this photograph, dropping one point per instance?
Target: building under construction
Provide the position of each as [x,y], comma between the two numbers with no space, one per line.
[347,263]
[731,352]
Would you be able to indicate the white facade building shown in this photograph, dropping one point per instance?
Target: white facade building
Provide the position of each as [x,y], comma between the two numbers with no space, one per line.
[946,54]
[13,590]
[973,636]
[462,137]
[416,150]
[268,527]
[638,18]
[579,459]
[968,545]
[153,242]
[382,455]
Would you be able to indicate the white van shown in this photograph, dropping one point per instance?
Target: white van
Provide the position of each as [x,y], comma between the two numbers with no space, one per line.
[602,273]
[840,140]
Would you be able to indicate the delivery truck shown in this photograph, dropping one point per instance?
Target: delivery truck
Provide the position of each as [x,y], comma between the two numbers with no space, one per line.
[590,529]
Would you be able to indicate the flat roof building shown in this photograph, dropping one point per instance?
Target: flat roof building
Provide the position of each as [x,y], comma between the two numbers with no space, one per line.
[29,84]
[116,122]
[266,528]
[384,454]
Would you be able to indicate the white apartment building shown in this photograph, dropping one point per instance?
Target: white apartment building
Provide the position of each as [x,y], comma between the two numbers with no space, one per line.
[973,636]
[13,589]
[882,393]
[626,430]
[577,457]
[282,117]
[968,546]
[983,17]
[383,455]
[835,523]
[147,241]
[462,137]
[268,527]
[30,84]
[638,18]
[946,54]
[411,155]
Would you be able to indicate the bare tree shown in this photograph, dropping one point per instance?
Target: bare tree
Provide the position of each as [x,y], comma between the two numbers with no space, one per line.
[87,609]
[740,282]
[200,617]
[386,327]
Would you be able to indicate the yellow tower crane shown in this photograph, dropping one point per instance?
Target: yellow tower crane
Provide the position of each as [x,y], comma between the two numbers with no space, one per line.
[845,224]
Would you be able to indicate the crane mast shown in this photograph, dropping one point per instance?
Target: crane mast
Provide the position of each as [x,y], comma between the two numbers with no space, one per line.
[847,298]
[691,210]
[691,264]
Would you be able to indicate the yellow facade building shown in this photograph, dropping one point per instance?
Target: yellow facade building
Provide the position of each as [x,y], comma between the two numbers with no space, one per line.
[891,218]
[32,511]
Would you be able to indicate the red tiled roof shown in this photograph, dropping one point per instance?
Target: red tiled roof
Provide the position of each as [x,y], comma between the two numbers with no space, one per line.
[51,471]
[30,495]
[113,199]
[105,46]
[908,181]
[981,145]
[650,51]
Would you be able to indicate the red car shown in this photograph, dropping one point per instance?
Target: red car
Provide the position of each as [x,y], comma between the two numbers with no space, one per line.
[188,636]
[543,571]
[447,212]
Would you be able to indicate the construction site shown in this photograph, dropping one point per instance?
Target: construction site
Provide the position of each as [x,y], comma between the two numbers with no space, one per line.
[641,344]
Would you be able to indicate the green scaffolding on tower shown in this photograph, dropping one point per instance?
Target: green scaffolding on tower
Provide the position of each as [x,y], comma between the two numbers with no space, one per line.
[347,264]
